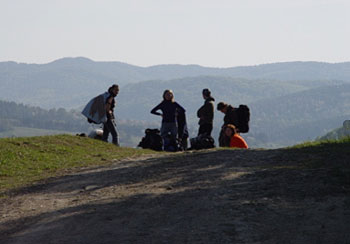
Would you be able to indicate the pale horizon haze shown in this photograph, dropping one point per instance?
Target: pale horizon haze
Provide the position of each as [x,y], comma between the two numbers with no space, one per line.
[219,33]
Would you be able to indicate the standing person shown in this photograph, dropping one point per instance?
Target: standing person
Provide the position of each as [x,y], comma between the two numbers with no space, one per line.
[230,117]
[169,109]
[110,126]
[206,114]
[235,139]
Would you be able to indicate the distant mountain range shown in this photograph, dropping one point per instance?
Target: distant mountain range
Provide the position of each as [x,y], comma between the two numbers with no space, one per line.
[68,82]
[290,102]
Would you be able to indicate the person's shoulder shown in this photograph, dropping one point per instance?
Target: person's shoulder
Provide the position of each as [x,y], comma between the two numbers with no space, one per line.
[110,99]
[210,102]
[159,105]
[238,136]
[238,141]
[210,99]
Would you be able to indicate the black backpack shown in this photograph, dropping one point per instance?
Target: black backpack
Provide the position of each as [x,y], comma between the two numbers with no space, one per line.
[243,114]
[202,141]
[152,140]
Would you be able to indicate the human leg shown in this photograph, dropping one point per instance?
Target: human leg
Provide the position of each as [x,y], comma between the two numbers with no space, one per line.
[109,127]
[105,132]
[205,129]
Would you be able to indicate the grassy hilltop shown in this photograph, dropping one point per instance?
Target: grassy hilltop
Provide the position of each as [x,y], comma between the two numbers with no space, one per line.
[26,160]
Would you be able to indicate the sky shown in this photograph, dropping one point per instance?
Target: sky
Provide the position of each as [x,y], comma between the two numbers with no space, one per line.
[213,33]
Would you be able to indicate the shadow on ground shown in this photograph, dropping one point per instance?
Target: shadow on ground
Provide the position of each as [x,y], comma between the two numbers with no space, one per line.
[219,196]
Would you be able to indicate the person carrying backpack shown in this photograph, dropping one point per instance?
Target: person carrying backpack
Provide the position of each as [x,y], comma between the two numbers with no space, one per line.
[206,114]
[230,113]
[110,126]
[169,109]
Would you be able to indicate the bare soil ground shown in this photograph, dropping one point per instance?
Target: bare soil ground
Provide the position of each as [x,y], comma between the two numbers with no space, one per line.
[214,196]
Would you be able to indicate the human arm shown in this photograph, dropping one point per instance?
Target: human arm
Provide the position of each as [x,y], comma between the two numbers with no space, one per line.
[200,111]
[154,110]
[109,105]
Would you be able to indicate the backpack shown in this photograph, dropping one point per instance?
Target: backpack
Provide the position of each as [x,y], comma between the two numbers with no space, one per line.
[96,134]
[243,114]
[152,140]
[202,141]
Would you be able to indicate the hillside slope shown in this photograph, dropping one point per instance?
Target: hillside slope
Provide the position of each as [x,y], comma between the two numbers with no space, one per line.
[338,133]
[69,82]
[294,195]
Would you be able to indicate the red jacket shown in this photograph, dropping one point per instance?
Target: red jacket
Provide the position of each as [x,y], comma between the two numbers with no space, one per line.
[238,141]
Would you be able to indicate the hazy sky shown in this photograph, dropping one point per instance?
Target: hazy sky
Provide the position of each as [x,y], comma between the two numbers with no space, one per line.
[216,33]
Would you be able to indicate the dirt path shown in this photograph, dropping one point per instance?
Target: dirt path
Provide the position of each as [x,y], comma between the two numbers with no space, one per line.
[251,196]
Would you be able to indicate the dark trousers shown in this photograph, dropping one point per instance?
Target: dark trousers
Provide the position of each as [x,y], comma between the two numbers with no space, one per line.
[205,129]
[168,127]
[109,127]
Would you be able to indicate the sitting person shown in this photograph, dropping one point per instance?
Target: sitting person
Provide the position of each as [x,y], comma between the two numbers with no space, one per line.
[236,140]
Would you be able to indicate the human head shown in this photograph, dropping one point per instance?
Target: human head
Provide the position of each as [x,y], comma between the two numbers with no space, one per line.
[230,130]
[168,95]
[114,90]
[206,93]
[222,107]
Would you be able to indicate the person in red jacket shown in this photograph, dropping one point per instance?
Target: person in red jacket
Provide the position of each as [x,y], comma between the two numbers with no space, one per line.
[236,140]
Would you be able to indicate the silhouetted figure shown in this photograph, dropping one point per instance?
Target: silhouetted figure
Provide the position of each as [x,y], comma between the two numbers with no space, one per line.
[170,110]
[206,114]
[110,126]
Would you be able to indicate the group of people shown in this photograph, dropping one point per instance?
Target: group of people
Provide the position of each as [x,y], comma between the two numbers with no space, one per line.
[171,110]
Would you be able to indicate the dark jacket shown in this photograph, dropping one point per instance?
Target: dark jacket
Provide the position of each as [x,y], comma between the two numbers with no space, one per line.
[231,116]
[182,130]
[206,112]
[169,110]
[111,116]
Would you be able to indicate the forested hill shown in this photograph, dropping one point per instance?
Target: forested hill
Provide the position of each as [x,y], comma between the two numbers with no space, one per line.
[77,78]
[303,115]
[338,133]
[19,115]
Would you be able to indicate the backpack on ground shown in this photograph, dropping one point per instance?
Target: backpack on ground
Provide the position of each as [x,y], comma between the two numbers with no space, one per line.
[202,141]
[152,140]
[96,134]
[243,114]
